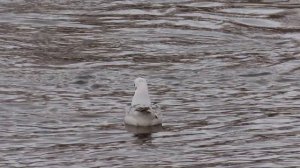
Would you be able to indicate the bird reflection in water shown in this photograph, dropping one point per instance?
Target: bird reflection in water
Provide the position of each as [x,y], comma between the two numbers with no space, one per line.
[143,134]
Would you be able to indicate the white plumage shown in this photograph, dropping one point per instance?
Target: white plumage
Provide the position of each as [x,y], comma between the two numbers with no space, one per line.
[142,112]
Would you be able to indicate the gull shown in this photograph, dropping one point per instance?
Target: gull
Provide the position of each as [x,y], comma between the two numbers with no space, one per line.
[142,112]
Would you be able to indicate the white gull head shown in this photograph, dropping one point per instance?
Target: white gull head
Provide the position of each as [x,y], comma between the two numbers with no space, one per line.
[142,112]
[141,95]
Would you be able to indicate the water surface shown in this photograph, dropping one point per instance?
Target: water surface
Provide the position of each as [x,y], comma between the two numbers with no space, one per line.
[226,74]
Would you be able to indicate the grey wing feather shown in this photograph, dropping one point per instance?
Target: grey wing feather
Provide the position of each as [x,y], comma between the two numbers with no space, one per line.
[142,109]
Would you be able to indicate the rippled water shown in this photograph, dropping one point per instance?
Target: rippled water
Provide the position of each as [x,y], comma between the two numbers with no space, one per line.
[226,73]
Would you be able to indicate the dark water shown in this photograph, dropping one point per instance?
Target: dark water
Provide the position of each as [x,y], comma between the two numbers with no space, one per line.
[226,73]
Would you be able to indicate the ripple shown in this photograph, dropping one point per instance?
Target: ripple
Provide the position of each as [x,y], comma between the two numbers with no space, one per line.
[258,22]
[253,11]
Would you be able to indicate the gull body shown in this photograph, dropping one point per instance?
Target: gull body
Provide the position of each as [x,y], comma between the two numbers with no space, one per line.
[142,112]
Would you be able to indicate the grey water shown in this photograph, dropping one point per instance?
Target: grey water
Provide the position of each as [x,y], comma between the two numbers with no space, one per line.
[226,74]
